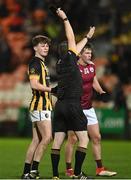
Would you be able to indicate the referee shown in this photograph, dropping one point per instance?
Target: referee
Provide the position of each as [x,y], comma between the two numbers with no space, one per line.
[68,114]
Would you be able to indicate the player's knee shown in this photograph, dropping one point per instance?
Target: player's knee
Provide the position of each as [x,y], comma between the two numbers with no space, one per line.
[35,142]
[96,139]
[72,139]
[46,140]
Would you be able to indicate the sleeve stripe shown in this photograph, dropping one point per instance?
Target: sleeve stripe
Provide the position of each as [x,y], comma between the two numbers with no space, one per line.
[34,77]
[74,51]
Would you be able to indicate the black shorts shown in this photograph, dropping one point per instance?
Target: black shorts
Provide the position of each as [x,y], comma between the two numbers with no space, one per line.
[68,115]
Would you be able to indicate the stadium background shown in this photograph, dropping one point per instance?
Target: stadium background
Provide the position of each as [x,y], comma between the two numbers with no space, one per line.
[20,20]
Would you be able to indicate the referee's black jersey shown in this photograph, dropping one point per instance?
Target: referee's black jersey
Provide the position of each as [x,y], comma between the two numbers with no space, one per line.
[40,99]
[69,77]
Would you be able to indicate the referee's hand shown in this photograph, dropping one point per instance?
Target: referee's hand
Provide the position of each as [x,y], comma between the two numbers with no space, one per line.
[105,97]
[61,14]
[54,90]
[53,9]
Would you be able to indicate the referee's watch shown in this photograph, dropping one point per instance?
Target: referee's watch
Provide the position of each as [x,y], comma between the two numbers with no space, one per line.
[87,37]
[65,19]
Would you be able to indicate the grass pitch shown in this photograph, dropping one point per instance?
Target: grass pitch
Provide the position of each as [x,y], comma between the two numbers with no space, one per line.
[115,155]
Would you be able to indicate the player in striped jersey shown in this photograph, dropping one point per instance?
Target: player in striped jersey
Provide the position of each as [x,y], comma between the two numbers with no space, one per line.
[40,107]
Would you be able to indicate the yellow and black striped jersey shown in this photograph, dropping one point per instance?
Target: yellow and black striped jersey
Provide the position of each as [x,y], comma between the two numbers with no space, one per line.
[40,99]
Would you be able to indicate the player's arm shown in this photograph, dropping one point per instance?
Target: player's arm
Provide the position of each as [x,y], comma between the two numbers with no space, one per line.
[68,30]
[97,86]
[34,76]
[80,45]
[35,84]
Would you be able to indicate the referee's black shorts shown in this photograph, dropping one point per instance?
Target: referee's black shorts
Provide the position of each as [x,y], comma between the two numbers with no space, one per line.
[68,115]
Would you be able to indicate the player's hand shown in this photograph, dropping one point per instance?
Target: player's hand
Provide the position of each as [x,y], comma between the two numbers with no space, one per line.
[61,13]
[102,92]
[91,32]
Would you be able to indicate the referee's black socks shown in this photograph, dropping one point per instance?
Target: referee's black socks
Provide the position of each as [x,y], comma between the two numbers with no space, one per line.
[79,159]
[55,157]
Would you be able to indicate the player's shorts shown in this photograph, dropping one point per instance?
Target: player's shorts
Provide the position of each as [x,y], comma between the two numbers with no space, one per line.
[68,115]
[91,116]
[40,116]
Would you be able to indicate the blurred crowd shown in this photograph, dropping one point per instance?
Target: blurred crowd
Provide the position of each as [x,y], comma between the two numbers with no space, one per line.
[20,20]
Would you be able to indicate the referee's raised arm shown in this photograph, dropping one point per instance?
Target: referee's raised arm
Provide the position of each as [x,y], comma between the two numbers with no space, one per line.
[68,29]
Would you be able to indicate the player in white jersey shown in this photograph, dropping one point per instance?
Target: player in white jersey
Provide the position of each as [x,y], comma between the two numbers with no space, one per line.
[87,69]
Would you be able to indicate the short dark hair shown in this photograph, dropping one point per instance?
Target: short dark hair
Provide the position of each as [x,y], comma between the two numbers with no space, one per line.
[40,39]
[62,48]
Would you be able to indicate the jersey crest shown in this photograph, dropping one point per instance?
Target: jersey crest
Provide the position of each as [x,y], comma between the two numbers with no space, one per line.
[91,69]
